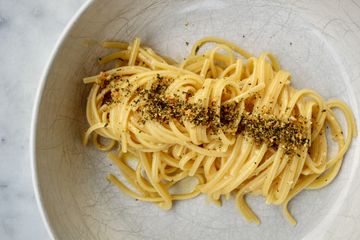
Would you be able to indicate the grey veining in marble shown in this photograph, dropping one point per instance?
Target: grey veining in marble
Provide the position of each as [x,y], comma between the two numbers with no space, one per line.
[28,32]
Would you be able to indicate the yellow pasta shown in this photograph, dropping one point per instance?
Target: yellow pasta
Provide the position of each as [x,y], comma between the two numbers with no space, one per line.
[231,121]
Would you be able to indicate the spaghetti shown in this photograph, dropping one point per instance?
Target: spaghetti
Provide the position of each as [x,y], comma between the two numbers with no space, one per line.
[230,120]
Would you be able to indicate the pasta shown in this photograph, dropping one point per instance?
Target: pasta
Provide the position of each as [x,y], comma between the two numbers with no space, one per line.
[231,121]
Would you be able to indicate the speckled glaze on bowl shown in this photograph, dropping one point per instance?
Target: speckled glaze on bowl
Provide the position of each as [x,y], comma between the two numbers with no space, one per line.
[317,41]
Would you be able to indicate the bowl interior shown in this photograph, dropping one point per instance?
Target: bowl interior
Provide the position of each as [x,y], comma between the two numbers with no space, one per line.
[80,203]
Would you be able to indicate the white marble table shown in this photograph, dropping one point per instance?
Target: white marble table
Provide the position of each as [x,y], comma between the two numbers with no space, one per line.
[28,32]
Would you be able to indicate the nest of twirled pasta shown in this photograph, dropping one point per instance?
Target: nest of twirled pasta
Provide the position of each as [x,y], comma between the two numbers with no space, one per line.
[230,120]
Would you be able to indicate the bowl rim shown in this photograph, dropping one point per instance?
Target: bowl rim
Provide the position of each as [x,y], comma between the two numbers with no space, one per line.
[35,112]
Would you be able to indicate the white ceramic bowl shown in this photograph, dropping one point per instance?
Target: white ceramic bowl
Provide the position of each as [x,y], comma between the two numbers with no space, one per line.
[317,41]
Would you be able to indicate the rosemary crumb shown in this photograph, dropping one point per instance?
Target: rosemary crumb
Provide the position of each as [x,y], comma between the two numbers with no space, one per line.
[155,104]
[197,49]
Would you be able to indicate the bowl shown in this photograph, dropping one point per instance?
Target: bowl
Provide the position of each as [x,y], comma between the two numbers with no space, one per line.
[317,43]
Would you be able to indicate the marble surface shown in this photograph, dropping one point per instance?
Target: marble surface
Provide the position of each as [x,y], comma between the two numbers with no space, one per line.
[28,33]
